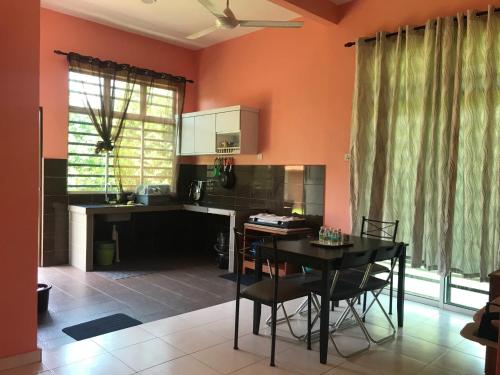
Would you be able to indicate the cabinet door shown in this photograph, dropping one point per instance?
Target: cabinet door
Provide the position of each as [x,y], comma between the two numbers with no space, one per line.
[204,134]
[228,122]
[187,136]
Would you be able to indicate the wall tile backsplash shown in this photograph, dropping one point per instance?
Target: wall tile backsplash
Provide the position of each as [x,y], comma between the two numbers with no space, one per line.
[276,188]
[55,213]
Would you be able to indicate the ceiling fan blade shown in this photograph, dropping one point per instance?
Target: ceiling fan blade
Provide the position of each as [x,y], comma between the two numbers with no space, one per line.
[284,24]
[230,15]
[202,33]
[211,8]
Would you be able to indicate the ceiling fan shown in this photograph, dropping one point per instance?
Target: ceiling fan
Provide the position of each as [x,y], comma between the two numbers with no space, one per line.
[227,20]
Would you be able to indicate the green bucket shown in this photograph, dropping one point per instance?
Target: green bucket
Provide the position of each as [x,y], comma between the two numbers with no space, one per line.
[104,253]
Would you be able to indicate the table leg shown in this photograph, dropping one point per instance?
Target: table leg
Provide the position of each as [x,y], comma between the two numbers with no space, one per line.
[325,313]
[401,287]
[257,306]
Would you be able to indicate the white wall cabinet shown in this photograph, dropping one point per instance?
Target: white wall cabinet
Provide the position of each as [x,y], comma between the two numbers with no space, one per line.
[187,137]
[228,122]
[204,134]
[223,131]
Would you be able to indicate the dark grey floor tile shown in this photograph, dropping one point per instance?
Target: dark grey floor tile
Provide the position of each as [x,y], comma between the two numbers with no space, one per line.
[183,285]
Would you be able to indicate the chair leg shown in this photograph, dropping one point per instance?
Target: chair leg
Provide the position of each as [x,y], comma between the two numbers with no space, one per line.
[309,321]
[364,305]
[273,333]
[387,317]
[236,323]
[390,295]
[350,306]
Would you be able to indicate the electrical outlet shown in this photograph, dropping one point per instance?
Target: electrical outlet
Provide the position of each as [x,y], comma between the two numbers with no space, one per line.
[347,157]
[259,156]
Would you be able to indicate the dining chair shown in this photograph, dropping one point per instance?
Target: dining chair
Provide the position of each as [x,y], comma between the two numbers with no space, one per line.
[341,290]
[307,276]
[375,285]
[269,292]
[384,230]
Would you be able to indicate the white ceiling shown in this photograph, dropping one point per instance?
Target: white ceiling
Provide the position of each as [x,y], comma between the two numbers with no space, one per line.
[171,20]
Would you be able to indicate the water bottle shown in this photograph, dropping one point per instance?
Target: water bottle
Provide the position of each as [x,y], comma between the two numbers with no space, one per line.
[331,235]
[321,234]
[335,236]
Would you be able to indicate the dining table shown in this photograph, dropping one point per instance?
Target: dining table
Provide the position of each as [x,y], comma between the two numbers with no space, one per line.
[324,259]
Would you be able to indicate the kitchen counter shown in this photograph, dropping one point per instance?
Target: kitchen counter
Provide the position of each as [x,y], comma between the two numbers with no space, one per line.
[82,221]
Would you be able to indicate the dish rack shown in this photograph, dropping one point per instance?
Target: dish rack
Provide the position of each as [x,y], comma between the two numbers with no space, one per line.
[227,150]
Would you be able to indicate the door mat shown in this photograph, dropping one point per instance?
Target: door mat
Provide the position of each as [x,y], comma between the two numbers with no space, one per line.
[100,326]
[246,279]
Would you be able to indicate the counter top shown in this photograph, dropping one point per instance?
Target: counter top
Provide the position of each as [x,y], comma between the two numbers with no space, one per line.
[216,209]
[121,208]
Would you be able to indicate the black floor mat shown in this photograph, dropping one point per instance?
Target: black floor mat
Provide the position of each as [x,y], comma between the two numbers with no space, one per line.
[246,279]
[100,326]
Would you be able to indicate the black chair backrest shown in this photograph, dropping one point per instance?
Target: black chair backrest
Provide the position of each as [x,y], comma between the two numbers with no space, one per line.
[357,259]
[390,253]
[379,229]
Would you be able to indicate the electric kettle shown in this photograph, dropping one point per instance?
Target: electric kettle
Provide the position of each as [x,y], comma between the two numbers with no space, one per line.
[196,190]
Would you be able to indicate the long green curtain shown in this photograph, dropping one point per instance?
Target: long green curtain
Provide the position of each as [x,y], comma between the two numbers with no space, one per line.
[425,140]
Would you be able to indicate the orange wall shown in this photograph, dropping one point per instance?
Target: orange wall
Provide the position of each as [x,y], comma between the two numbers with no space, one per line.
[19,36]
[302,81]
[66,33]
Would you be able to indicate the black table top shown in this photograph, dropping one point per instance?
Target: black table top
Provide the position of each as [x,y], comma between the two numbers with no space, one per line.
[302,249]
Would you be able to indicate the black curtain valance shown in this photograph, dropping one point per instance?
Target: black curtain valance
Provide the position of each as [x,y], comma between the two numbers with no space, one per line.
[147,74]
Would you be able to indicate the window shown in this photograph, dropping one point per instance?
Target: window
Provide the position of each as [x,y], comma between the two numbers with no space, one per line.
[147,146]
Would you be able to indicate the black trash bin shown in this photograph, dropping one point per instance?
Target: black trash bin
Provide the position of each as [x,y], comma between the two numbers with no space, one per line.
[222,258]
[43,291]
[222,250]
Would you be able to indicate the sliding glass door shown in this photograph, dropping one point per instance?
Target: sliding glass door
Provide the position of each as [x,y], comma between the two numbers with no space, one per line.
[454,291]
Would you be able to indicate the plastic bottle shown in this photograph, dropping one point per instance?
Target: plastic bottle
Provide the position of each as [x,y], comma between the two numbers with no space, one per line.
[321,235]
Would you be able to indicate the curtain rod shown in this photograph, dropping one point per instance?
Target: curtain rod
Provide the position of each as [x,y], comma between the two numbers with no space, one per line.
[180,78]
[350,44]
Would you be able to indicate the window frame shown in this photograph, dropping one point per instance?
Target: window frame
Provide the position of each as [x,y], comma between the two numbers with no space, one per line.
[142,117]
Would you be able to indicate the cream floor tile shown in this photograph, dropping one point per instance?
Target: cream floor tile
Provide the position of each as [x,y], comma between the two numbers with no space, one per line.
[448,337]
[70,353]
[347,368]
[224,359]
[103,364]
[346,344]
[433,370]
[387,362]
[261,345]
[208,315]
[185,365]
[225,327]
[263,368]
[194,339]
[299,359]
[122,338]
[35,368]
[471,347]
[147,354]
[460,363]
[165,326]
[412,347]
